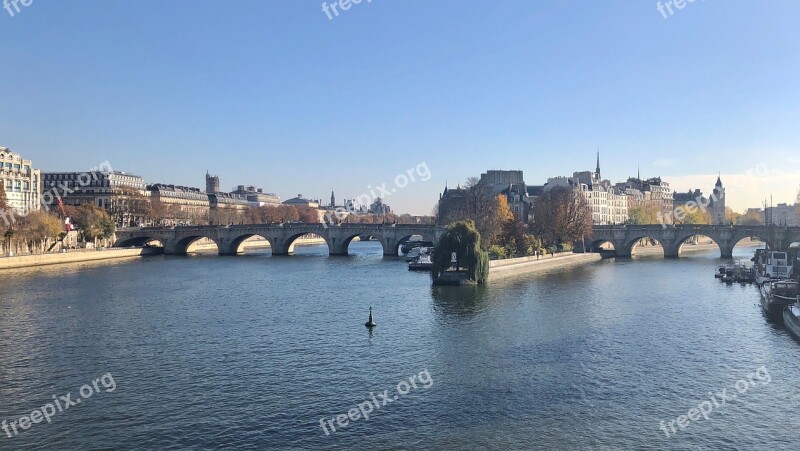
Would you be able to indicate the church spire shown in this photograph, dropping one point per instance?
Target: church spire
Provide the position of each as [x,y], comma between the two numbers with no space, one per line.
[597,171]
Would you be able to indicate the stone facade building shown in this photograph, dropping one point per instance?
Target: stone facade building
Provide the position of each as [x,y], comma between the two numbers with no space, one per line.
[784,215]
[608,203]
[257,197]
[123,196]
[301,201]
[179,205]
[452,201]
[654,192]
[22,183]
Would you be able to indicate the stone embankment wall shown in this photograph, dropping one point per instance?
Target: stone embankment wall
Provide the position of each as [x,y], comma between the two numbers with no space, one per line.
[27,261]
[500,269]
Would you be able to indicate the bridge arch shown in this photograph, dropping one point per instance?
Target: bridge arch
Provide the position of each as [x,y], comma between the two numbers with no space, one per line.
[181,245]
[739,238]
[393,247]
[632,243]
[597,245]
[236,245]
[140,241]
[683,239]
[286,246]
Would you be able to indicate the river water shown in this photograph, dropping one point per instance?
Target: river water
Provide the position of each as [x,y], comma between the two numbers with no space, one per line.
[252,352]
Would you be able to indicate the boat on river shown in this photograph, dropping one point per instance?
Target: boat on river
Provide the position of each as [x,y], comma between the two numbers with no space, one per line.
[720,272]
[776,295]
[422,263]
[772,265]
[791,318]
[417,252]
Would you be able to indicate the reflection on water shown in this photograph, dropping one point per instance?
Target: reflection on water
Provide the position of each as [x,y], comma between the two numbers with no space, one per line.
[252,351]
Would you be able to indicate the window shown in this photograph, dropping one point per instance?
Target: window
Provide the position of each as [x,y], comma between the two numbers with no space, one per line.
[16,167]
[17,186]
[26,186]
[27,168]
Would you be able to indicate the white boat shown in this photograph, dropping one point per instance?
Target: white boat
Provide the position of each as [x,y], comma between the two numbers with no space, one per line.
[772,265]
[417,252]
[422,263]
[791,319]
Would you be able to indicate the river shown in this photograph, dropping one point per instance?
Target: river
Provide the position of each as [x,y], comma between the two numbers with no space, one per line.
[256,352]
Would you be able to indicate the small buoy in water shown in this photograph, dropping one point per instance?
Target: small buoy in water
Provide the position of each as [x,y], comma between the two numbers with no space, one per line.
[370,323]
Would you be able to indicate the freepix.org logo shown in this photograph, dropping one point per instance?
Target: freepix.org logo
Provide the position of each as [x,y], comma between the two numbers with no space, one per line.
[13,6]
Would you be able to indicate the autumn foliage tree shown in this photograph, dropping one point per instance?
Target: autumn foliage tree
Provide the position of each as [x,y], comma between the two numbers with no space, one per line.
[93,223]
[644,214]
[38,228]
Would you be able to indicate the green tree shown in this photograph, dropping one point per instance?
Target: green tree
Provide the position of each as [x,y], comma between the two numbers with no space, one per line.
[516,239]
[751,218]
[644,214]
[463,238]
[93,222]
[691,214]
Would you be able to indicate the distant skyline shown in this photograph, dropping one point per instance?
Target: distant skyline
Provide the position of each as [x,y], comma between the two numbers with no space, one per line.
[280,96]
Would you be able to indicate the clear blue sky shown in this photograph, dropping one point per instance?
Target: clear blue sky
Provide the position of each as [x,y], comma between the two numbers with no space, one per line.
[275,94]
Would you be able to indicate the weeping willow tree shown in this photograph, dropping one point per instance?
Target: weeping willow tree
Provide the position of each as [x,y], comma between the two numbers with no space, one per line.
[465,240]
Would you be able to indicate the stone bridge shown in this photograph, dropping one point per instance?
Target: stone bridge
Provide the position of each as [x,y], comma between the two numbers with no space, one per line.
[281,237]
[672,237]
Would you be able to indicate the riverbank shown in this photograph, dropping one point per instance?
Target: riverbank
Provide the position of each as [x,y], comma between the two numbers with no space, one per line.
[29,261]
[501,269]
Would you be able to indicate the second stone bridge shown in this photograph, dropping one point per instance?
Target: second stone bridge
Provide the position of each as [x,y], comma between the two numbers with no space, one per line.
[281,237]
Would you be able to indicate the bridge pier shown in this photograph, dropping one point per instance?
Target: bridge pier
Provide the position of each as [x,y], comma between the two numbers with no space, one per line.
[726,250]
[172,248]
[390,245]
[280,248]
[338,247]
[671,250]
[623,251]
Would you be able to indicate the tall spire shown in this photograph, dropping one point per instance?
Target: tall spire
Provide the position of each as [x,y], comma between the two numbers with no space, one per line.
[597,171]
[638,173]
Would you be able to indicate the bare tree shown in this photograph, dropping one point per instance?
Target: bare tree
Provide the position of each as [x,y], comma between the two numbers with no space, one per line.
[481,206]
[561,216]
